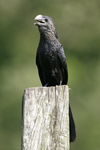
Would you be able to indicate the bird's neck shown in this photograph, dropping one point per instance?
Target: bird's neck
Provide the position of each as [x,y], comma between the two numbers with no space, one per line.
[47,36]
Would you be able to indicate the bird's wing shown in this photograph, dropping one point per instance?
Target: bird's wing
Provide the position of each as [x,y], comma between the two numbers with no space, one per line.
[63,63]
[39,70]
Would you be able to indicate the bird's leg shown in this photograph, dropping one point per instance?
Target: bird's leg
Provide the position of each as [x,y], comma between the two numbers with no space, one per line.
[60,82]
[46,85]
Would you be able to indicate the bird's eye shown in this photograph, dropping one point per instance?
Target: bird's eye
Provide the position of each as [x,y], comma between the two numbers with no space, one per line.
[46,20]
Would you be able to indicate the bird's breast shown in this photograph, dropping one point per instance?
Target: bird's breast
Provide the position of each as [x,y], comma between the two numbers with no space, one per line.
[50,67]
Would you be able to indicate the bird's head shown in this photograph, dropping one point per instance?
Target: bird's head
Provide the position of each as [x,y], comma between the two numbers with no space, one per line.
[46,25]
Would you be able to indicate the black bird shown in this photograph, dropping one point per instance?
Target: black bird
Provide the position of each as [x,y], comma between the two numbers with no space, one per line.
[51,60]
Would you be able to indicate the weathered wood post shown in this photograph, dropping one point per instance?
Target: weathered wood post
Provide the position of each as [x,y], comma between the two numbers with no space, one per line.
[45,120]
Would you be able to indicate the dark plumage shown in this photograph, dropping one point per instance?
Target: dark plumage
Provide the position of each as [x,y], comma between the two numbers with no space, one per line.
[51,60]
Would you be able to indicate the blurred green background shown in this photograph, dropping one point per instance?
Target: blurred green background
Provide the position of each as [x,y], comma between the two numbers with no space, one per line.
[78,26]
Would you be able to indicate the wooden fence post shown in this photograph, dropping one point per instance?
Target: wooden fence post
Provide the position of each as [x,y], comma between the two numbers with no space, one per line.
[45,119]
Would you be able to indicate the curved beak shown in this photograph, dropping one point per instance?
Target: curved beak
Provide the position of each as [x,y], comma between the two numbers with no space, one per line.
[39,19]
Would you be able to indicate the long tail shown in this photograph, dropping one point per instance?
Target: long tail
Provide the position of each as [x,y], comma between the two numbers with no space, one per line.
[72,126]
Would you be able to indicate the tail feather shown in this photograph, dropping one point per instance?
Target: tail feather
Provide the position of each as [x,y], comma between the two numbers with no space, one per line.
[72,126]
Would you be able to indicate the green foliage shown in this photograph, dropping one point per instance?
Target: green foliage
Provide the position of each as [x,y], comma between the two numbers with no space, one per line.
[78,26]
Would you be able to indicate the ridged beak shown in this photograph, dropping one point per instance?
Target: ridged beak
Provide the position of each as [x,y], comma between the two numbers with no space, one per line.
[40,20]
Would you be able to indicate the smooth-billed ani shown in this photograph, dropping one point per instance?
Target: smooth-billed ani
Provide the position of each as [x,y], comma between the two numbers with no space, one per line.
[51,60]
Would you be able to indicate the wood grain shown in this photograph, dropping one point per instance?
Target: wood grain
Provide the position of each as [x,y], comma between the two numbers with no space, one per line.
[45,120]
